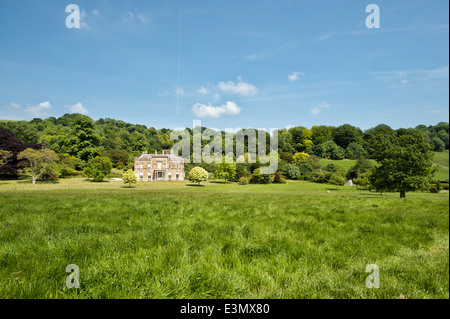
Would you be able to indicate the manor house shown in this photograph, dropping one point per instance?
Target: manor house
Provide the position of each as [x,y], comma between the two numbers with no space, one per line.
[159,167]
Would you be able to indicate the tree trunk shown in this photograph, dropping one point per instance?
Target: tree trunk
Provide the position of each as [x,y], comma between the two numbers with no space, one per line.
[33,180]
[402,194]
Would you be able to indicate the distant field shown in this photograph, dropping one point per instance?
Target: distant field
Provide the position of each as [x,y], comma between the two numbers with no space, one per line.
[171,240]
[345,163]
[442,159]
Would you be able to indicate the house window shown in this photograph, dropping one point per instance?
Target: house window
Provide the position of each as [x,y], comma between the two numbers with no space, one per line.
[149,165]
[170,175]
[141,175]
[141,166]
[177,175]
[149,176]
[159,164]
[178,165]
[170,165]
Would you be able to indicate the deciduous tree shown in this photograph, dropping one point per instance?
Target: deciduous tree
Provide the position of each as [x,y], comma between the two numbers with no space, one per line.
[198,175]
[37,160]
[405,164]
[129,177]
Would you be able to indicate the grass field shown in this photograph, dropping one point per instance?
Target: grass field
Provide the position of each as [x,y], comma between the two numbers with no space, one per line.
[347,164]
[440,158]
[170,240]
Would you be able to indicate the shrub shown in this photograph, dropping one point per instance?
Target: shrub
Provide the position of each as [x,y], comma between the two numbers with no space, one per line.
[65,172]
[129,178]
[244,180]
[292,171]
[361,166]
[259,178]
[318,176]
[97,175]
[337,179]
[276,178]
[279,179]
[435,188]
[116,173]
[79,164]
[197,175]
[98,168]
[50,174]
[445,186]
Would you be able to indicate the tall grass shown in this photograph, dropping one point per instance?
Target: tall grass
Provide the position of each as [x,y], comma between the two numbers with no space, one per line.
[223,241]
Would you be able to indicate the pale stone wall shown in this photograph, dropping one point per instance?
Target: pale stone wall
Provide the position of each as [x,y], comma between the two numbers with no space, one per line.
[159,167]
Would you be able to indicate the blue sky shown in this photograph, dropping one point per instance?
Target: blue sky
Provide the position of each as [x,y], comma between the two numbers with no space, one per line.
[229,63]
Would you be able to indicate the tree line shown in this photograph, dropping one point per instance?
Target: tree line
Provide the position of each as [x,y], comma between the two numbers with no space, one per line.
[78,135]
[79,142]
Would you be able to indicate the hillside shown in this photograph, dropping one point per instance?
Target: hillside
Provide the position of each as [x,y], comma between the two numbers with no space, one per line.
[442,159]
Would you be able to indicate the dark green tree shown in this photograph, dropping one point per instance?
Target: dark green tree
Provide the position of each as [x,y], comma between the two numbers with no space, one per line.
[98,168]
[404,164]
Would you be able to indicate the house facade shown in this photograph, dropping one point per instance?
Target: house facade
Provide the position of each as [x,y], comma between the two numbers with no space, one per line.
[159,167]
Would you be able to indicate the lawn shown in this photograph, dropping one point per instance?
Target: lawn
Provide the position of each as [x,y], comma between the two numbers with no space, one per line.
[347,164]
[442,159]
[171,240]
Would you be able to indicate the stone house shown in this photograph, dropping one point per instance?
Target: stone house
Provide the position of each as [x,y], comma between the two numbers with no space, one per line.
[159,167]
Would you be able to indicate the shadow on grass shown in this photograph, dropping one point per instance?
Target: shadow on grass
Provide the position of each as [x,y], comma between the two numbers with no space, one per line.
[91,181]
[128,187]
[39,182]
[195,185]
[219,182]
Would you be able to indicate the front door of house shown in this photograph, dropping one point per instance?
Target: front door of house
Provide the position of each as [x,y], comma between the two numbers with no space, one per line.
[160,176]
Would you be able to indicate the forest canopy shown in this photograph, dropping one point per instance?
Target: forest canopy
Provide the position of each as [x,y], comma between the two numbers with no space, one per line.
[78,138]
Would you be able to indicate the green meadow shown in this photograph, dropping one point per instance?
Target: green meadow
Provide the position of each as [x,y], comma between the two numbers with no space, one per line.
[174,240]
[440,158]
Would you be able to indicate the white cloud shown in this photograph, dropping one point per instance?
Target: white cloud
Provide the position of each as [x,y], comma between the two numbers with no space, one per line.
[435,112]
[241,88]
[77,108]
[203,91]
[12,105]
[324,37]
[129,16]
[411,76]
[268,53]
[84,17]
[143,19]
[202,110]
[294,76]
[89,19]
[39,110]
[289,126]
[179,91]
[314,111]
[319,108]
